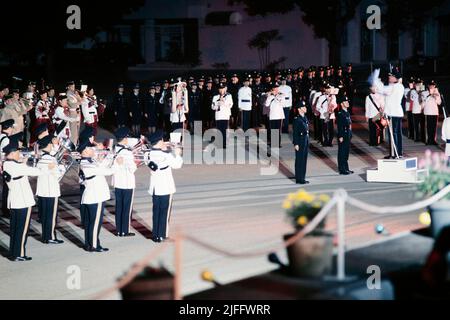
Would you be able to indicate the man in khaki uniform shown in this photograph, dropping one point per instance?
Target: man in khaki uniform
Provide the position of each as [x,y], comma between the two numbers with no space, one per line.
[14,109]
[74,101]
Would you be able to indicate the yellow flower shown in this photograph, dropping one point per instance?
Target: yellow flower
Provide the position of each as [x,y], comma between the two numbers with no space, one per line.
[302,221]
[287,204]
[316,204]
[324,197]
[291,197]
[302,195]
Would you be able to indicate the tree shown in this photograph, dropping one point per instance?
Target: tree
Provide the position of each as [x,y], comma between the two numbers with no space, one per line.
[40,26]
[327,18]
[261,41]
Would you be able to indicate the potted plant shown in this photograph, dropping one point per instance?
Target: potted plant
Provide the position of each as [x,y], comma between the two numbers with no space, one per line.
[438,178]
[150,284]
[312,255]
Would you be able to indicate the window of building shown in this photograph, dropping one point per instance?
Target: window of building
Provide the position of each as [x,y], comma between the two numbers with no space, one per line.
[176,40]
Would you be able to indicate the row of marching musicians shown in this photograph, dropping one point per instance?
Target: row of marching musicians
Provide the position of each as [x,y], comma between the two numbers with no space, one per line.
[95,191]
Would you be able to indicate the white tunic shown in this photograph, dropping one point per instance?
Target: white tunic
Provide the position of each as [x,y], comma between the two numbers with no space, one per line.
[222,108]
[48,182]
[394,97]
[276,105]
[123,177]
[408,107]
[97,189]
[42,109]
[446,135]
[20,195]
[325,105]
[417,106]
[161,180]
[4,141]
[245,98]
[89,110]
[371,110]
[180,98]
[431,103]
[287,92]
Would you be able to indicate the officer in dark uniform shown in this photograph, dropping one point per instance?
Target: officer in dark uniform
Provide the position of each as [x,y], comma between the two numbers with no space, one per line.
[195,105]
[207,113]
[344,124]
[151,105]
[233,89]
[348,85]
[136,104]
[119,105]
[257,91]
[301,141]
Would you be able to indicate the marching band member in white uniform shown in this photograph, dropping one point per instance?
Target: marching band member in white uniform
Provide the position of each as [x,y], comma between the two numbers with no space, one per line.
[431,99]
[222,104]
[62,114]
[93,176]
[20,198]
[124,183]
[276,102]
[7,131]
[417,111]
[245,104]
[446,137]
[287,92]
[162,185]
[180,105]
[394,93]
[48,190]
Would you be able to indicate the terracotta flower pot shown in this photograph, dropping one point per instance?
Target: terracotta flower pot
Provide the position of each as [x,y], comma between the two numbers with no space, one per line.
[151,284]
[312,256]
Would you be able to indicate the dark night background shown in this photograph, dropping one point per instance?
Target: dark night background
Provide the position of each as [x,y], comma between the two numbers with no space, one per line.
[37,45]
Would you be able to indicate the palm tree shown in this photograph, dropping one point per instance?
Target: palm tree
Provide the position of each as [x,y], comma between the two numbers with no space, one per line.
[261,41]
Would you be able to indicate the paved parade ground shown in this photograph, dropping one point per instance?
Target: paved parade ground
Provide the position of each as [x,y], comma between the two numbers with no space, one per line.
[233,207]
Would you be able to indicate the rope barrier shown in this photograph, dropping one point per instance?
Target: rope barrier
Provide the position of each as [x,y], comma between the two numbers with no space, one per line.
[399,209]
[339,199]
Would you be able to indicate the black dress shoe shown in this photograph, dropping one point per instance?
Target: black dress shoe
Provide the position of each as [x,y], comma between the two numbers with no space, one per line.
[55,241]
[302,182]
[118,234]
[344,173]
[19,259]
[350,172]
[88,248]
[100,249]
[156,239]
[129,234]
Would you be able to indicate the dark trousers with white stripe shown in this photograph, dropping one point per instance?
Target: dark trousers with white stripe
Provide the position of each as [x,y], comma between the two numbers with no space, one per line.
[82,207]
[124,206]
[48,208]
[19,225]
[5,191]
[246,120]
[162,207]
[287,112]
[431,129]
[93,224]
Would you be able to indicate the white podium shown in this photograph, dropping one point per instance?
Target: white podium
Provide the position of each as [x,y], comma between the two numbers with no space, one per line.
[397,171]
